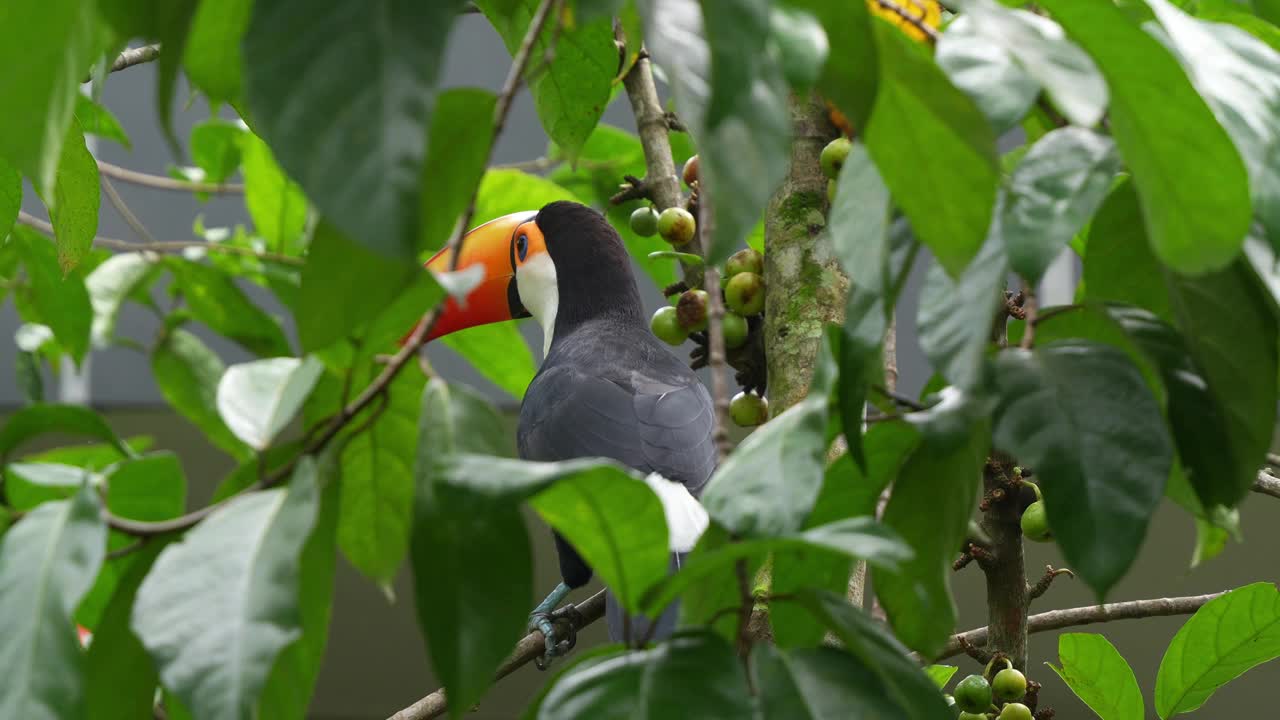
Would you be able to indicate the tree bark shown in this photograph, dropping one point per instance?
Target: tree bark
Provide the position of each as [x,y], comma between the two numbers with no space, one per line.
[1007,599]
[805,288]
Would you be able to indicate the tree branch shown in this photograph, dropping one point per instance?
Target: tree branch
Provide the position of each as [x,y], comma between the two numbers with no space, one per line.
[1266,484]
[402,357]
[160,182]
[716,362]
[916,22]
[166,246]
[662,185]
[529,648]
[1073,617]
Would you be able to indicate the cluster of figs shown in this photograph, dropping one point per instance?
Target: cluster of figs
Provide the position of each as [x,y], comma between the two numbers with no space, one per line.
[1000,697]
[741,285]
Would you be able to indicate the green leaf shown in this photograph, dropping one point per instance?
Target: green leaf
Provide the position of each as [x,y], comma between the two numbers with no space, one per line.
[868,640]
[1225,638]
[458,148]
[95,119]
[929,140]
[291,683]
[1097,673]
[54,43]
[498,352]
[820,683]
[120,679]
[933,498]
[368,180]
[217,301]
[987,72]
[214,648]
[1080,414]
[1165,133]
[799,44]
[344,284]
[10,198]
[850,75]
[275,202]
[108,285]
[1069,77]
[215,148]
[27,485]
[60,299]
[212,58]
[167,21]
[570,93]
[940,674]
[1054,191]
[47,562]
[258,399]
[1231,334]
[507,191]
[471,558]
[187,373]
[36,420]
[733,99]
[91,456]
[694,675]
[1121,266]
[1239,76]
[955,317]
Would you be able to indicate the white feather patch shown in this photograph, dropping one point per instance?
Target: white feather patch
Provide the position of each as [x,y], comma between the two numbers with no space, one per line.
[686,518]
[536,282]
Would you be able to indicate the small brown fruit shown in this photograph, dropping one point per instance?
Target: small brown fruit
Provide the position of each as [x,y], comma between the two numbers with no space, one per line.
[690,173]
[691,310]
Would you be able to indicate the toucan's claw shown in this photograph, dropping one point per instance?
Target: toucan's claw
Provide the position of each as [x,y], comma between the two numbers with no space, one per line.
[559,632]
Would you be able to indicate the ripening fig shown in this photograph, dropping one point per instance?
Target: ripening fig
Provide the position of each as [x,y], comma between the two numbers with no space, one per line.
[1009,684]
[1015,711]
[690,173]
[676,225]
[748,409]
[644,222]
[973,694]
[735,330]
[667,328]
[745,260]
[744,294]
[834,155]
[972,716]
[1035,525]
[691,310]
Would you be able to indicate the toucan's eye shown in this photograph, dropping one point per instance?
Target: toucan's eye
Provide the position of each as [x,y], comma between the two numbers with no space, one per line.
[522,246]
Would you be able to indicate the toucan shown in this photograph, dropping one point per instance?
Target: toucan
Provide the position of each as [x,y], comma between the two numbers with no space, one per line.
[606,388]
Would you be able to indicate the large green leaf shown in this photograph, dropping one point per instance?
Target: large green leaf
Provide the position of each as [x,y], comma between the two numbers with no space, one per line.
[1069,77]
[108,285]
[929,141]
[1054,191]
[507,191]
[956,316]
[30,484]
[458,148]
[73,210]
[1225,638]
[570,93]
[932,500]
[187,372]
[820,683]
[1166,133]
[216,148]
[1120,266]
[120,679]
[47,562]
[499,352]
[877,648]
[60,298]
[95,119]
[850,74]
[733,99]
[1232,334]
[472,562]
[258,399]
[986,72]
[344,99]
[214,648]
[1097,673]
[36,420]
[1239,76]
[275,202]
[54,43]
[1080,414]
[695,675]
[217,301]
[10,197]
[212,58]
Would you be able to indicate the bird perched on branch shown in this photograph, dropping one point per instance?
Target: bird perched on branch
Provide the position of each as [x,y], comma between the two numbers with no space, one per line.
[607,387]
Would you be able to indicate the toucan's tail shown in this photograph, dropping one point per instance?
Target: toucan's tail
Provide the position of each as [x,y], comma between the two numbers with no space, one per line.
[665,625]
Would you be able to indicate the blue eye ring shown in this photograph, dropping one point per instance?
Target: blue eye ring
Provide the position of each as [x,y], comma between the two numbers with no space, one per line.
[522,246]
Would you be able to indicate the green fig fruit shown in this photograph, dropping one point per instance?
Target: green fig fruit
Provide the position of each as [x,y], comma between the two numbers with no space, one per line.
[973,694]
[735,330]
[1009,684]
[1035,525]
[834,155]
[644,222]
[745,260]
[748,409]
[744,294]
[677,226]
[666,326]
[1015,711]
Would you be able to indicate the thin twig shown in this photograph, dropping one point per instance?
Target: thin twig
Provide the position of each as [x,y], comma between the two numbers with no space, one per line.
[1055,311]
[715,337]
[1072,617]
[160,182]
[130,57]
[916,22]
[530,647]
[1030,305]
[1042,585]
[1267,484]
[167,246]
[398,361]
[119,204]
[904,400]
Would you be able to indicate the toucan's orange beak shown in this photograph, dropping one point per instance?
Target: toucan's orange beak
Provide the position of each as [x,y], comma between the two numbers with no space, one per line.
[499,246]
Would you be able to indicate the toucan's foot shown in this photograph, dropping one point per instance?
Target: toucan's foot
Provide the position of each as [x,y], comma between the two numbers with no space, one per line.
[557,630]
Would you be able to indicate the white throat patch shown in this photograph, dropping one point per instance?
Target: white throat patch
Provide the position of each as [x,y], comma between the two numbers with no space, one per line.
[536,281]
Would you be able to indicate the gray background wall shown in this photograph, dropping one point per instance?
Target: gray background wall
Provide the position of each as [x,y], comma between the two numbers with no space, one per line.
[376,662]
